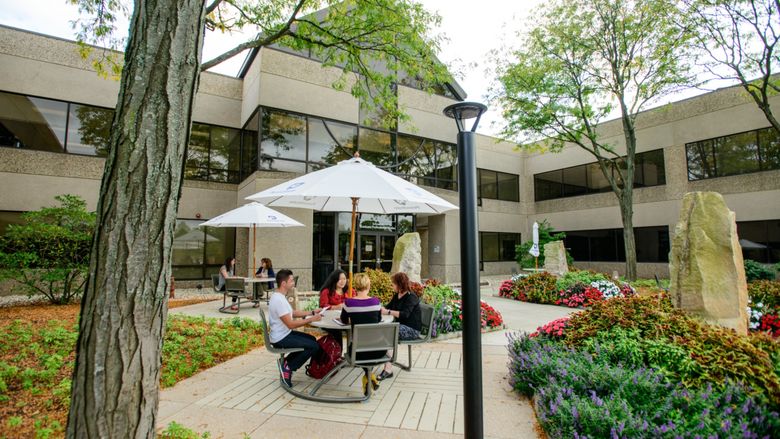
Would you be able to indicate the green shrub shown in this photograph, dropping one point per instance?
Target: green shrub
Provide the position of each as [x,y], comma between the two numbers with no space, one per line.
[538,288]
[719,352]
[757,271]
[584,277]
[766,292]
[49,254]
[178,431]
[381,285]
[546,234]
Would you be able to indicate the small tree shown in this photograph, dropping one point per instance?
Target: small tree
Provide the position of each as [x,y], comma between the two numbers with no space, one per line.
[49,254]
[546,234]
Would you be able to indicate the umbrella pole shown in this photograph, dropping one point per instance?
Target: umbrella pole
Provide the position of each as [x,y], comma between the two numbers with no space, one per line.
[254,244]
[352,244]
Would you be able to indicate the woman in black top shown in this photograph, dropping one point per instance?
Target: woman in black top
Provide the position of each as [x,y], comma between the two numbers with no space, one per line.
[405,307]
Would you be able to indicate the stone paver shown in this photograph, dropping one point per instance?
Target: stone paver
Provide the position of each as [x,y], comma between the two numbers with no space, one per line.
[243,396]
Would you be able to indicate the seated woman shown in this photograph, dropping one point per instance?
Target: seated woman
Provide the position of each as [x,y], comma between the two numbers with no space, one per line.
[405,307]
[266,269]
[363,309]
[226,271]
[332,293]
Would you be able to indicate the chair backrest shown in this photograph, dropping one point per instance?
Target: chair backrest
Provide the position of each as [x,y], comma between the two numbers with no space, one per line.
[372,337]
[234,284]
[266,336]
[426,312]
[215,282]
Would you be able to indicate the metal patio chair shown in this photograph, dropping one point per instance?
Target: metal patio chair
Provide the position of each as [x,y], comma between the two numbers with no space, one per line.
[233,288]
[425,335]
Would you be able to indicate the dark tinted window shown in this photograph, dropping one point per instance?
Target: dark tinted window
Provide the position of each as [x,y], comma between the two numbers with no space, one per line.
[89,129]
[32,123]
[198,252]
[741,153]
[760,240]
[283,138]
[607,245]
[495,246]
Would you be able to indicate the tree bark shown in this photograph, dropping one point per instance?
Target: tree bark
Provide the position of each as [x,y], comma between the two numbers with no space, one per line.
[123,311]
[627,215]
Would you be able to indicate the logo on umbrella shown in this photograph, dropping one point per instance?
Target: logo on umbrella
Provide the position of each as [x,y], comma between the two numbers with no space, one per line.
[292,186]
[401,202]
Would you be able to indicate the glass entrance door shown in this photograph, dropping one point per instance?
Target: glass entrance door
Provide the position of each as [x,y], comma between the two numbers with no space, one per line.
[376,251]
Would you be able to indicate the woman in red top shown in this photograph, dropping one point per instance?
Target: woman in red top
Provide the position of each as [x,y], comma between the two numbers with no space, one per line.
[332,293]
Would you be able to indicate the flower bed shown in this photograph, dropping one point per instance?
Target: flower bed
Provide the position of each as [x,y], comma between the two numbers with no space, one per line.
[448,314]
[576,289]
[764,306]
[634,367]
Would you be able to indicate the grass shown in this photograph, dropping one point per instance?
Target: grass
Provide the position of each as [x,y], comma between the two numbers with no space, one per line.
[37,354]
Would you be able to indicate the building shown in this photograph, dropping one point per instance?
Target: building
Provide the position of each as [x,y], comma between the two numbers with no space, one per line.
[280,117]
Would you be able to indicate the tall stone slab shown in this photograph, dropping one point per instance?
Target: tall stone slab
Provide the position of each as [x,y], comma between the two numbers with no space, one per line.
[407,256]
[555,258]
[705,264]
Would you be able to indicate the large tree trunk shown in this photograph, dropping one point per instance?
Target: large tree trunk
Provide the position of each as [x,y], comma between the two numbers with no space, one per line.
[627,215]
[117,372]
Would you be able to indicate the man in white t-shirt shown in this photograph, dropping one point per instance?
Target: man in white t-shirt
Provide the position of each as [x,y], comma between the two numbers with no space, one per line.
[281,322]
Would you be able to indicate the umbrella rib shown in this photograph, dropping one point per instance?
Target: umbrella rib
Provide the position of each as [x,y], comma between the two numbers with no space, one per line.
[384,209]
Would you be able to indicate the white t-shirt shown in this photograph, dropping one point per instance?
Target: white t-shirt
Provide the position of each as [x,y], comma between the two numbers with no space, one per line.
[277,307]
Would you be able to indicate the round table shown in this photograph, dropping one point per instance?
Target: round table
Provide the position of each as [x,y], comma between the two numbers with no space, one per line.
[328,322]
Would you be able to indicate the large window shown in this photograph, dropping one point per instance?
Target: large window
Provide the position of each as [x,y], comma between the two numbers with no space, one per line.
[49,125]
[213,154]
[498,185]
[760,240]
[301,143]
[742,153]
[498,246]
[198,252]
[607,245]
[588,178]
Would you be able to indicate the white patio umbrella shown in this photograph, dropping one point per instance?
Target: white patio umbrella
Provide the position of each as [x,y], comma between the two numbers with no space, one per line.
[252,215]
[353,185]
[534,251]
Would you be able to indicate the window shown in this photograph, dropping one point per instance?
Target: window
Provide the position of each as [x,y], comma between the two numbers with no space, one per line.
[498,247]
[249,139]
[89,130]
[32,123]
[427,162]
[283,139]
[735,154]
[330,142]
[376,146]
[760,240]
[588,178]
[213,154]
[607,245]
[198,252]
[498,185]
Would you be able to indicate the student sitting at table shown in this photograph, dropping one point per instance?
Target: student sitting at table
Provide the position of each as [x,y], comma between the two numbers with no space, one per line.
[405,307]
[266,269]
[363,309]
[281,322]
[333,292]
[226,271]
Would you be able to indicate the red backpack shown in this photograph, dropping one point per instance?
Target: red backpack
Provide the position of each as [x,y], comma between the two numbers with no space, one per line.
[326,359]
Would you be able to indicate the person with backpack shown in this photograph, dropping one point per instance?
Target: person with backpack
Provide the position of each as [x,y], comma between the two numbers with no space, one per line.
[281,322]
[362,309]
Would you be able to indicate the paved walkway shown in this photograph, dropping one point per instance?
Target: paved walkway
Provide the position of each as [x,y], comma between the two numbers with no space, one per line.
[242,396]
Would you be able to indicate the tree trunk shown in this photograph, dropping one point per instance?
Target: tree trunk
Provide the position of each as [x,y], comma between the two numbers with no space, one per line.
[123,311]
[627,215]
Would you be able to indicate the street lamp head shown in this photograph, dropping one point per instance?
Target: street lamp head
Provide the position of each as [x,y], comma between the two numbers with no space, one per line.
[463,111]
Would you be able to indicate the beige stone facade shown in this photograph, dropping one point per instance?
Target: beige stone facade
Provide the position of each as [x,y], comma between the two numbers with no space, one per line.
[47,67]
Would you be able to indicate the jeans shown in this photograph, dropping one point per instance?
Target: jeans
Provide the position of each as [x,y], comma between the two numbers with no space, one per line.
[297,339]
[407,333]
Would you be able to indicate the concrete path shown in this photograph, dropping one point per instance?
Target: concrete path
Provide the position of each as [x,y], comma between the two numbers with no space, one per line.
[242,397]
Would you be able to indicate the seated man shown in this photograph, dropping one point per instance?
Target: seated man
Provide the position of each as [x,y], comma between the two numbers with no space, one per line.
[281,324]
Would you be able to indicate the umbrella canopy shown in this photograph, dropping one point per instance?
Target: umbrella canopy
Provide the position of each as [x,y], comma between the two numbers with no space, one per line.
[534,251]
[748,244]
[333,190]
[353,185]
[252,215]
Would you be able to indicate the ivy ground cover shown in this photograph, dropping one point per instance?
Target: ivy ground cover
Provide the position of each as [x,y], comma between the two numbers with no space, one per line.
[636,367]
[37,352]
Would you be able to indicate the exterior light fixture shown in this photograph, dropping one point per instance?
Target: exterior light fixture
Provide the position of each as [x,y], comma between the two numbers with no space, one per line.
[469,265]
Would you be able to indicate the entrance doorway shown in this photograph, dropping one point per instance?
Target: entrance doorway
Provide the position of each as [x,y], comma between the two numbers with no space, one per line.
[376,251]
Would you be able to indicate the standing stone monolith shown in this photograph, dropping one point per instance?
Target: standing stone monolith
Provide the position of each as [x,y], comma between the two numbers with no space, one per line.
[407,256]
[705,264]
[555,258]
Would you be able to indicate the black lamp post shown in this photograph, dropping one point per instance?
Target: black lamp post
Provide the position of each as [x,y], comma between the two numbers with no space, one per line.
[469,265]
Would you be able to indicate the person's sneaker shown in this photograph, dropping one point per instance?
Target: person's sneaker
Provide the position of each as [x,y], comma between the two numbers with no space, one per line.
[374,382]
[287,374]
[384,375]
